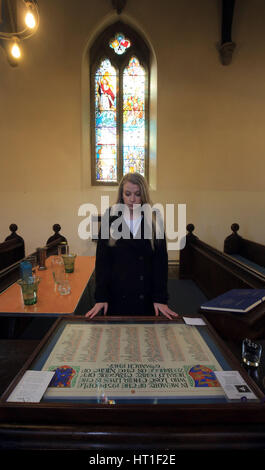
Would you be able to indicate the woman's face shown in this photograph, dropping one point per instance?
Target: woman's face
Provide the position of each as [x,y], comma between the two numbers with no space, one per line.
[131,194]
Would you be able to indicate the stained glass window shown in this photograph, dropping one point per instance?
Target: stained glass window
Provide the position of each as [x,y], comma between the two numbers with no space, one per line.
[134,117]
[106,128]
[119,43]
[120,103]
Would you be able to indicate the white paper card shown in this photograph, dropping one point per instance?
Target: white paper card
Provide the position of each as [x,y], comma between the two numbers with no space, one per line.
[31,387]
[194,321]
[234,385]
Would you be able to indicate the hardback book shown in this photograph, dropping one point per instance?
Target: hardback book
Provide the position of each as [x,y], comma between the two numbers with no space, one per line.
[236,300]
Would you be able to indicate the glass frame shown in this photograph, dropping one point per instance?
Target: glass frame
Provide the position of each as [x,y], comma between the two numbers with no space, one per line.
[124,413]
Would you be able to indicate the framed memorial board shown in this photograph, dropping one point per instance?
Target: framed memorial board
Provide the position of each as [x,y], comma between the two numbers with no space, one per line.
[131,362]
[127,370]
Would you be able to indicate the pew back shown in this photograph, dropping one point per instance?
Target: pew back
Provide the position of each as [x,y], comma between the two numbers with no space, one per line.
[246,251]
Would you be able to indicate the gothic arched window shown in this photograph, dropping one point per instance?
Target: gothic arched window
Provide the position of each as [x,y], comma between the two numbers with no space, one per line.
[119,98]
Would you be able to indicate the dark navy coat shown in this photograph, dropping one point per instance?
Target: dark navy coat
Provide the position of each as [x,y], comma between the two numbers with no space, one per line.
[131,274]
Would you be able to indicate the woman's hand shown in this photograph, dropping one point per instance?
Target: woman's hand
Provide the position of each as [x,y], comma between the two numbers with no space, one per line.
[96,309]
[165,310]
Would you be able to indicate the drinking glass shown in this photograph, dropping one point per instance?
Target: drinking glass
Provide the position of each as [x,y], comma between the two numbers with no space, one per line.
[41,254]
[58,270]
[29,288]
[251,353]
[33,261]
[64,287]
[25,269]
[69,262]
[63,249]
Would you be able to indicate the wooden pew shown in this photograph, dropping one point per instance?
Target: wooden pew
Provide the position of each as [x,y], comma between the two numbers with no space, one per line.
[214,273]
[246,251]
[11,272]
[12,249]
[55,240]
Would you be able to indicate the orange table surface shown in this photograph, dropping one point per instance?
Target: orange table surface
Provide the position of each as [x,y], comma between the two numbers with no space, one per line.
[50,301]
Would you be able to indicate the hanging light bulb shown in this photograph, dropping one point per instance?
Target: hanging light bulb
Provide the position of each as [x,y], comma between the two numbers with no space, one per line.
[30,19]
[15,49]
[31,16]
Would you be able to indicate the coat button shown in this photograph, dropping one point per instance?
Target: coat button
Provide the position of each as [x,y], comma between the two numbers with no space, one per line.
[141,278]
[141,258]
[141,296]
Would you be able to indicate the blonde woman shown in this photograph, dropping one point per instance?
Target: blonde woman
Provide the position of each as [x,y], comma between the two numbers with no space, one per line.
[132,268]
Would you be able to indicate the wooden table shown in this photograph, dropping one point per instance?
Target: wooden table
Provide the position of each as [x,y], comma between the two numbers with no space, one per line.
[50,302]
[15,316]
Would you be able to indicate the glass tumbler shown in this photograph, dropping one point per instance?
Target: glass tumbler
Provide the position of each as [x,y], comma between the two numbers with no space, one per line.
[29,288]
[58,270]
[251,353]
